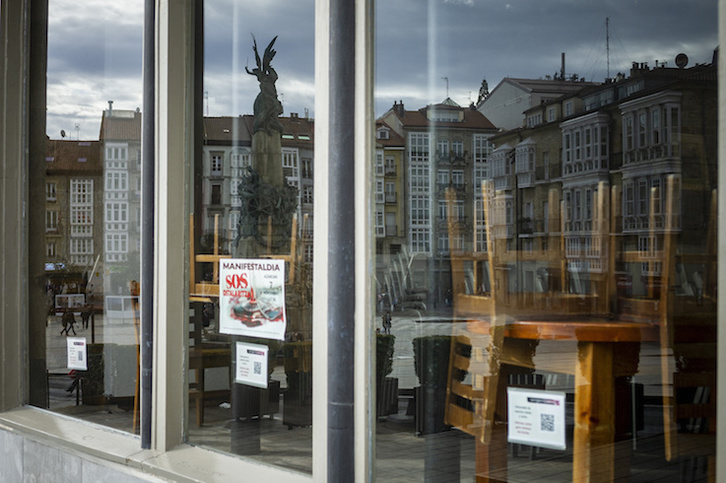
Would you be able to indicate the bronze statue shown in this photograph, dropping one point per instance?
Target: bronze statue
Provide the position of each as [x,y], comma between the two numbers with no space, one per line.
[267,107]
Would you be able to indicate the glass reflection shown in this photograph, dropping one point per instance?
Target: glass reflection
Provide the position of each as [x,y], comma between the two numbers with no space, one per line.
[546,250]
[250,355]
[92,214]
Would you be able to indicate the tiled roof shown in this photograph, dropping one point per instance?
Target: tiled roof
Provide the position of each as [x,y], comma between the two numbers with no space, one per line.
[394,139]
[548,85]
[121,126]
[296,131]
[473,119]
[227,130]
[301,129]
[74,157]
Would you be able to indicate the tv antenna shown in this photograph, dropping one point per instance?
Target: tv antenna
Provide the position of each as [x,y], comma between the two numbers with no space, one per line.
[607,43]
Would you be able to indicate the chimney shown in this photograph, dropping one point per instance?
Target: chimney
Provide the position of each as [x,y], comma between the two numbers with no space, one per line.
[562,71]
[110,107]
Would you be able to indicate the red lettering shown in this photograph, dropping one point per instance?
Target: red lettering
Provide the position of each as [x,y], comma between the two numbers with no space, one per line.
[236,281]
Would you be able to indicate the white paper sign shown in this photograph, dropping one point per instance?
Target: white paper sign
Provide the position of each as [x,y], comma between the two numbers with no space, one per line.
[536,418]
[252,298]
[77,354]
[251,364]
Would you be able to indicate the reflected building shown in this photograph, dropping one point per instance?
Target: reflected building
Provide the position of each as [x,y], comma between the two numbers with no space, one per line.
[512,97]
[226,155]
[73,227]
[120,138]
[445,151]
[390,226]
[593,165]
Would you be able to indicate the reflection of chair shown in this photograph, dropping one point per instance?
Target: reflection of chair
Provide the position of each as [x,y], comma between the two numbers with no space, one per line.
[690,332]
[679,295]
[201,291]
[480,362]
[490,347]
[292,258]
[202,356]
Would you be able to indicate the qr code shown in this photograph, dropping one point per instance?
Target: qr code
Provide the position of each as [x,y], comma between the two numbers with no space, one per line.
[80,356]
[257,369]
[547,422]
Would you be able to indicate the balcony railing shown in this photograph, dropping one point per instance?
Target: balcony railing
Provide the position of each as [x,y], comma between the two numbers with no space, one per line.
[525,180]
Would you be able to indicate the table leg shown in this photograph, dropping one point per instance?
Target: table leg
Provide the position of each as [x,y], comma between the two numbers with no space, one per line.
[594,435]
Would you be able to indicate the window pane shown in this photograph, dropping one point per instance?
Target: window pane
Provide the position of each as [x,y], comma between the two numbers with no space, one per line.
[88,351]
[549,298]
[250,373]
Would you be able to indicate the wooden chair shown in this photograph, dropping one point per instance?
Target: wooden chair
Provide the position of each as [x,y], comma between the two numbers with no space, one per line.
[491,346]
[480,363]
[686,318]
[203,354]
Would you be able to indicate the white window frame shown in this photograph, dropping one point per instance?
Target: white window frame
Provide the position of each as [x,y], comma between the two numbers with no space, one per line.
[216,164]
[457,148]
[50,191]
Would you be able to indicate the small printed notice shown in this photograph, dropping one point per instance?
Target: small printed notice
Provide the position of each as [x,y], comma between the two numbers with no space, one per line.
[252,298]
[251,364]
[536,418]
[77,353]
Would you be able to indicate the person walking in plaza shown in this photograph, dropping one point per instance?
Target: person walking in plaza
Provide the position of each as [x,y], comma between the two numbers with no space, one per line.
[387,322]
[68,320]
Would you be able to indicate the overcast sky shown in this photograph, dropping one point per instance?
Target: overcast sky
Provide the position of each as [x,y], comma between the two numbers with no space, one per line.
[95,49]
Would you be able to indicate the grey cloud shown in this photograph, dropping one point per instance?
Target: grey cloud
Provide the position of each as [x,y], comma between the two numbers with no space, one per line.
[93,59]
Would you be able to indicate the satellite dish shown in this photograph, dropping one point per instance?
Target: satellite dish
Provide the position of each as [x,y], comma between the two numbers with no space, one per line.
[63,133]
[681,60]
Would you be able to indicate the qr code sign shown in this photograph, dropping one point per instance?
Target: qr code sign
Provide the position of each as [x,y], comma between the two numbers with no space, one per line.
[547,422]
[257,369]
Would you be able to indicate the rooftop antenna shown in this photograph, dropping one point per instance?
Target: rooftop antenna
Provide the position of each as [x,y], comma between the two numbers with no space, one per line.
[206,102]
[607,43]
[447,86]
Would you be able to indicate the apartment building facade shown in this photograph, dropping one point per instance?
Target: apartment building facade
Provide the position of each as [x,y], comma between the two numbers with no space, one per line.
[446,147]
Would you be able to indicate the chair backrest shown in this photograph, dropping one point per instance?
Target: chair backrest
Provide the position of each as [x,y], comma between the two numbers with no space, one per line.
[473,376]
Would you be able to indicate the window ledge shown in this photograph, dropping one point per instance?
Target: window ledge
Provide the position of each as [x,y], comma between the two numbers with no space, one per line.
[184,463]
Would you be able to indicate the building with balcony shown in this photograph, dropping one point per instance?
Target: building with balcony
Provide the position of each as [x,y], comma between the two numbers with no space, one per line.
[120,138]
[226,154]
[614,149]
[445,151]
[74,230]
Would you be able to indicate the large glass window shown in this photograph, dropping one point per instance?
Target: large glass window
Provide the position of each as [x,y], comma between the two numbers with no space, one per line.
[561,324]
[549,330]
[86,337]
[250,327]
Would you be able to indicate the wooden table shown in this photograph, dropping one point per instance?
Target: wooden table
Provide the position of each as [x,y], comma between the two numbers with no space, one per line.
[605,350]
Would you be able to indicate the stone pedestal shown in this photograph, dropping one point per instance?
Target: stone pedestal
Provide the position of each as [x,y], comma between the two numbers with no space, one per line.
[267,157]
